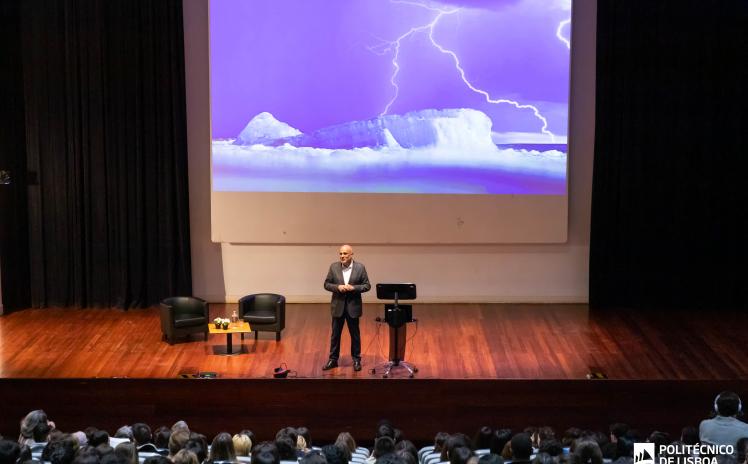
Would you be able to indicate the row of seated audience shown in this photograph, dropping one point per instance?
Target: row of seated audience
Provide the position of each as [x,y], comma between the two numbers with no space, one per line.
[40,441]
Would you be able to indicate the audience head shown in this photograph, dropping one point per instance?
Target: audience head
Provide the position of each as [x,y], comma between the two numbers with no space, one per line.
[389,458]
[587,452]
[570,435]
[490,458]
[81,438]
[161,437]
[482,438]
[222,448]
[624,448]
[383,445]
[689,435]
[346,444]
[617,431]
[9,452]
[104,449]
[304,432]
[158,459]
[460,455]
[60,451]
[543,458]
[98,437]
[543,434]
[727,404]
[177,440]
[741,450]
[408,447]
[265,458]
[499,439]
[439,439]
[659,439]
[141,433]
[185,456]
[521,447]
[313,457]
[180,425]
[250,434]
[199,446]
[124,432]
[286,447]
[405,456]
[242,444]
[112,458]
[551,447]
[35,427]
[128,452]
[266,447]
[334,455]
[454,441]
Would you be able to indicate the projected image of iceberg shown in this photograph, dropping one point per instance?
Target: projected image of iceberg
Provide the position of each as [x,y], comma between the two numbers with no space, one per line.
[377,96]
[416,152]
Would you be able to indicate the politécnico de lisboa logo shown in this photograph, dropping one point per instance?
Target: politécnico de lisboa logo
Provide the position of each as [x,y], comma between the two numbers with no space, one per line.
[644,453]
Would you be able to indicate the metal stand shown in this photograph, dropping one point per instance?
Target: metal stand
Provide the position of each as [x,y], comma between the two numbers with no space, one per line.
[397,317]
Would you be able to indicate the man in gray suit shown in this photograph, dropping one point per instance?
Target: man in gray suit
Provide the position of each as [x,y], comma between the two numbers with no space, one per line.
[347,280]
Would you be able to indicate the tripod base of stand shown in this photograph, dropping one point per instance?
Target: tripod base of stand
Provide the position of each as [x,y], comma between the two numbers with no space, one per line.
[388,367]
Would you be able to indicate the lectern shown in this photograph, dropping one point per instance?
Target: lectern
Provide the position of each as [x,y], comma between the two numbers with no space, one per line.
[397,316]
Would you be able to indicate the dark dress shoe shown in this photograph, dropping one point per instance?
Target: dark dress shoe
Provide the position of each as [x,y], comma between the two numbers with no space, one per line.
[331,364]
[356,365]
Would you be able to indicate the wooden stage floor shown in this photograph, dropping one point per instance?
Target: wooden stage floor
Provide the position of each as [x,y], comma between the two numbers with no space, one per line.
[480,364]
[450,341]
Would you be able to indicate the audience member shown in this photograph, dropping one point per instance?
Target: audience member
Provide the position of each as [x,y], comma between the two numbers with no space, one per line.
[460,455]
[35,428]
[490,458]
[157,460]
[199,446]
[98,437]
[347,445]
[313,457]
[586,452]
[9,452]
[286,444]
[543,458]
[499,439]
[222,448]
[242,444]
[521,446]
[128,452]
[724,428]
[141,433]
[482,438]
[306,435]
[161,437]
[177,440]
[124,432]
[185,457]
[334,455]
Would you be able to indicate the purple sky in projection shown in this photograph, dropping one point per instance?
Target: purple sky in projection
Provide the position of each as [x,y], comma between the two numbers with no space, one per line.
[308,61]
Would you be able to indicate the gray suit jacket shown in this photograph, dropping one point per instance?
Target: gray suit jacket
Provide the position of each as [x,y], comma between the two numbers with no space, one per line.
[350,300]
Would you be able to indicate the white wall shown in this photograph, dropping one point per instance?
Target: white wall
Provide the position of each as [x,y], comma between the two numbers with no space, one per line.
[444,273]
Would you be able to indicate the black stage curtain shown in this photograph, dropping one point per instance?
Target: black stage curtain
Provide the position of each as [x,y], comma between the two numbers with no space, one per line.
[671,141]
[14,224]
[106,151]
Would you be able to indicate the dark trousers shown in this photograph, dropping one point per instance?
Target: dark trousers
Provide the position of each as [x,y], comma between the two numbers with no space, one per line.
[337,330]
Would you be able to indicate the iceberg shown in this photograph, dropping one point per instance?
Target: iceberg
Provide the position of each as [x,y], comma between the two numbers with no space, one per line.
[264,129]
[460,128]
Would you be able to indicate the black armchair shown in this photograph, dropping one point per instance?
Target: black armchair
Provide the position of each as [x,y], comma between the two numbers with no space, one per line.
[183,315]
[265,312]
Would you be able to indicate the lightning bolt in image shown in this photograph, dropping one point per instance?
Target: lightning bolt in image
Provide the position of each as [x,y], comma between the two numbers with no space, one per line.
[560,36]
[393,46]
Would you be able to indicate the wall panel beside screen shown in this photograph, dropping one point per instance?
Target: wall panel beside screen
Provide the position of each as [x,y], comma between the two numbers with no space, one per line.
[389,122]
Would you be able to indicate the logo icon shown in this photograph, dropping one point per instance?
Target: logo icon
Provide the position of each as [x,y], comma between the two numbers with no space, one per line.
[644,453]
